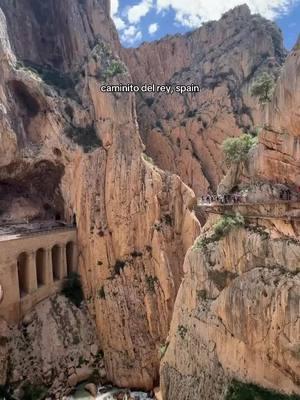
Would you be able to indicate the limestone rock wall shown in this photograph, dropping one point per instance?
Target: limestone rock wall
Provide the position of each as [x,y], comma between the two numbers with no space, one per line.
[237,311]
[275,160]
[134,222]
[278,156]
[58,33]
[236,316]
[184,133]
[53,346]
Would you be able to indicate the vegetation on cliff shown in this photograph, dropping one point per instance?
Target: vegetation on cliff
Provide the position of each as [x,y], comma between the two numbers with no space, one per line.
[86,137]
[72,289]
[263,88]
[237,149]
[220,229]
[245,391]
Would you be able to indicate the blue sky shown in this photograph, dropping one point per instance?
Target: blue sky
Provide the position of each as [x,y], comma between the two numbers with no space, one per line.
[147,20]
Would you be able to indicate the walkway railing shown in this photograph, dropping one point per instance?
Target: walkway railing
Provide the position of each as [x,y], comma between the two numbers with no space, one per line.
[240,200]
[214,204]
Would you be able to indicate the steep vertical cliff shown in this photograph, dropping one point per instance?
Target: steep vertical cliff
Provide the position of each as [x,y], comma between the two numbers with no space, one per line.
[67,148]
[237,312]
[183,133]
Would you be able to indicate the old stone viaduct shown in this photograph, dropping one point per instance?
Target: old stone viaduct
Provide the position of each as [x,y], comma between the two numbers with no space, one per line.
[33,266]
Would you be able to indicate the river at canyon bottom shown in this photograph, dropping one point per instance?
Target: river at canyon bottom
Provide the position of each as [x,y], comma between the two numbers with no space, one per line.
[108,393]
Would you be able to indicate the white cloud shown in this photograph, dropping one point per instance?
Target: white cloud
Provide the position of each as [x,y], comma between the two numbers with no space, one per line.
[153,28]
[120,24]
[131,35]
[114,7]
[138,11]
[193,13]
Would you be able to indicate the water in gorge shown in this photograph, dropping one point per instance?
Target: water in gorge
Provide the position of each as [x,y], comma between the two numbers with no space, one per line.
[108,393]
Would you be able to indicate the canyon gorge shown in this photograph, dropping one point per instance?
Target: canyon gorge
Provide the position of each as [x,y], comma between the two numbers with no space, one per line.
[170,301]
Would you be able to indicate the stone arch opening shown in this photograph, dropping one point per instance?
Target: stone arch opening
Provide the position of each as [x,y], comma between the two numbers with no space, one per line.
[70,248]
[41,267]
[23,274]
[56,263]
[28,103]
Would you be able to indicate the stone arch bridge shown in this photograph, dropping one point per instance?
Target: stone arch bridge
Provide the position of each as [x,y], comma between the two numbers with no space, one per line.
[33,264]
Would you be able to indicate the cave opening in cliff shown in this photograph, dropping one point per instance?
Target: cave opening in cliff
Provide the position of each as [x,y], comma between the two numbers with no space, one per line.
[23,274]
[28,104]
[32,194]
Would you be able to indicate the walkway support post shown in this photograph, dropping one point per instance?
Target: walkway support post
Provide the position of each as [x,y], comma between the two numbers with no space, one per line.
[49,267]
[63,261]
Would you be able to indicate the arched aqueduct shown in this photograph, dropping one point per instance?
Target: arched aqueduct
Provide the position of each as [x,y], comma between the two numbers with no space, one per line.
[33,266]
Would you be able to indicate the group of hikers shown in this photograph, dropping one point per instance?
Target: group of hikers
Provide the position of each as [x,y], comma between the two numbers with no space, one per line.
[223,199]
[284,195]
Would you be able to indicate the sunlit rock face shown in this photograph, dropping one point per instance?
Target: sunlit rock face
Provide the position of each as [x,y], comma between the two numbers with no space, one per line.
[184,133]
[236,316]
[279,150]
[237,312]
[55,33]
[81,151]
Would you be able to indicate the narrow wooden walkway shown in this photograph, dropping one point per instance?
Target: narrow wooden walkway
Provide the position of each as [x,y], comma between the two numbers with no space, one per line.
[228,209]
[214,204]
[259,216]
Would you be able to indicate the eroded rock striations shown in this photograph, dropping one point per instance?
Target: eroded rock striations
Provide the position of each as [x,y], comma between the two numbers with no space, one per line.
[55,347]
[184,133]
[237,312]
[69,150]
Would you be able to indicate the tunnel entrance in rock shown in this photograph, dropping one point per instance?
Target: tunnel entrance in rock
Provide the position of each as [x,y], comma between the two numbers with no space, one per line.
[33,194]
[23,274]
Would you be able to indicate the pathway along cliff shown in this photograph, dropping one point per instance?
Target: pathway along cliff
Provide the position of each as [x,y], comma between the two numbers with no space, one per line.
[214,313]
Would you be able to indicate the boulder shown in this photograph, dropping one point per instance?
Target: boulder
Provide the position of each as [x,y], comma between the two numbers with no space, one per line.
[92,389]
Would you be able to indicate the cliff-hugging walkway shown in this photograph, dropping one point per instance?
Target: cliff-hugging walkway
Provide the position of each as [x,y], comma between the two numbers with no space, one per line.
[286,207]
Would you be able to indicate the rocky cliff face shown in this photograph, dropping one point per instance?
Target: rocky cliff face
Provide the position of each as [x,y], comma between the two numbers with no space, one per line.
[69,149]
[183,133]
[237,312]
[278,158]
[54,347]
[55,33]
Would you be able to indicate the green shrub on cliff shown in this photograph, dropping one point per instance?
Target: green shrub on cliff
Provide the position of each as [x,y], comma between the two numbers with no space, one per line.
[244,391]
[34,392]
[114,69]
[72,289]
[237,149]
[50,76]
[86,137]
[263,88]
[221,228]
[226,224]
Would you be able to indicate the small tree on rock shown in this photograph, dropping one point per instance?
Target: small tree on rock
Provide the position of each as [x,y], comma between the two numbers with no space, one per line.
[237,149]
[263,88]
